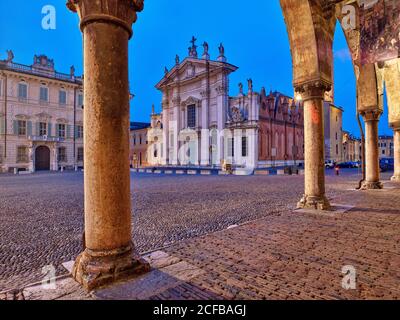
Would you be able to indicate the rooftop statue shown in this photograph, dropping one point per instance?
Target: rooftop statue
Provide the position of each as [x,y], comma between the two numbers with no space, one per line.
[241,88]
[193,49]
[205,46]
[250,84]
[10,56]
[221,49]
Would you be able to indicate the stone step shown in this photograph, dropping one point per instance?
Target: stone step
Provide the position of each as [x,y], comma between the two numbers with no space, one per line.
[262,172]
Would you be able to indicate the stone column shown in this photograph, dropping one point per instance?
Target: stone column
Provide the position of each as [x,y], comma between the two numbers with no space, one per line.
[372,170]
[314,146]
[109,253]
[205,133]
[396,138]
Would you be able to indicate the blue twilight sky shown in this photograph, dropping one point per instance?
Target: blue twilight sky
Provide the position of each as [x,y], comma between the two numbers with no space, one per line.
[254,36]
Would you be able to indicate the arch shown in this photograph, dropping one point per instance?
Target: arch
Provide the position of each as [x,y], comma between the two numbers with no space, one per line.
[42,158]
[311,40]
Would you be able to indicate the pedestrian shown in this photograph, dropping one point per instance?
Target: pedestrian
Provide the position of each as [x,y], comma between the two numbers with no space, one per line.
[337,170]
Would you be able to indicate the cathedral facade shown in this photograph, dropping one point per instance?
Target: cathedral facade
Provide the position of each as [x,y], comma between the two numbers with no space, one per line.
[201,124]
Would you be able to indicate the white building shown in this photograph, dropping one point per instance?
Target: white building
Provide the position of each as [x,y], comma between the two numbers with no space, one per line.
[202,125]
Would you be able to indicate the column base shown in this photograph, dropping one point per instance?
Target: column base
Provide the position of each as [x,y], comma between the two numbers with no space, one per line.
[395,178]
[313,202]
[366,185]
[95,269]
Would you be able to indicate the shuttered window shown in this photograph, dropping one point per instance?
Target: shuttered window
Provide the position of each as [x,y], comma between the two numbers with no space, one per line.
[22,154]
[22,91]
[62,154]
[80,100]
[21,125]
[42,128]
[80,154]
[44,94]
[79,132]
[61,130]
[62,97]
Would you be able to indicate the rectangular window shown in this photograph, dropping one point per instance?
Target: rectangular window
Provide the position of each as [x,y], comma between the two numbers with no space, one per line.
[61,130]
[62,154]
[42,129]
[62,97]
[191,116]
[79,132]
[80,100]
[80,154]
[244,147]
[22,154]
[22,91]
[21,128]
[44,94]
[231,147]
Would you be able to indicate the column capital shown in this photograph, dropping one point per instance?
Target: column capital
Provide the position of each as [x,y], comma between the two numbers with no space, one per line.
[221,90]
[395,125]
[313,89]
[371,115]
[118,12]
[205,93]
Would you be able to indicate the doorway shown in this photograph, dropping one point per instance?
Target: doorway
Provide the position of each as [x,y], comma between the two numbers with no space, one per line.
[42,158]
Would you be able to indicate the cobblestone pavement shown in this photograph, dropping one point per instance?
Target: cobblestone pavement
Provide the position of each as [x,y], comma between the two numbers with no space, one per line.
[291,255]
[41,219]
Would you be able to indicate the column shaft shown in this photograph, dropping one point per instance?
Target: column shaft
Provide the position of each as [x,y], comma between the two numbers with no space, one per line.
[109,253]
[372,169]
[396,138]
[314,194]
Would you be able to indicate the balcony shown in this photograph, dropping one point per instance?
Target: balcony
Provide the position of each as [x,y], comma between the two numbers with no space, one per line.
[17,67]
[45,139]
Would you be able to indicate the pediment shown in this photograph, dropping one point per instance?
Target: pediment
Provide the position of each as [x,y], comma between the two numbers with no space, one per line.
[191,100]
[191,68]
[22,116]
[62,120]
[43,115]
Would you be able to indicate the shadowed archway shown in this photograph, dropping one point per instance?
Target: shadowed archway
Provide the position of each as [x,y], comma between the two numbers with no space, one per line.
[42,158]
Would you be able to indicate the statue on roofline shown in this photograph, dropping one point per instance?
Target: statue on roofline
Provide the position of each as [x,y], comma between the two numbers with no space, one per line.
[10,56]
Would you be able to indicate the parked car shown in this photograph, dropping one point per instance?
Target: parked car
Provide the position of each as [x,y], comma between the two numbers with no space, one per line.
[329,164]
[356,164]
[345,165]
[386,164]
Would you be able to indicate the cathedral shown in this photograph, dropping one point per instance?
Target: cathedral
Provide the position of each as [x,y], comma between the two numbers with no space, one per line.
[202,125]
